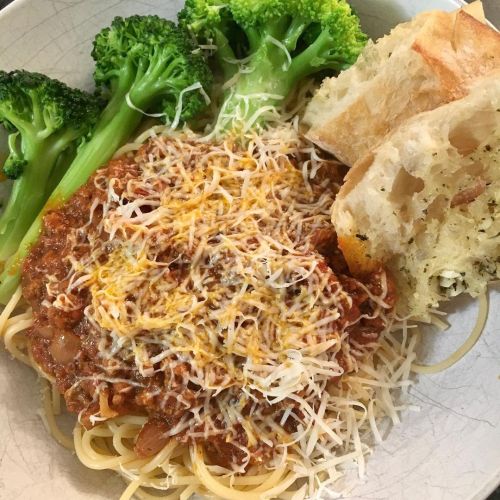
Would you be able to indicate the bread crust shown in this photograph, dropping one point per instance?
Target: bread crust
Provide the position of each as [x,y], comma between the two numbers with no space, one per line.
[458,51]
[426,202]
[446,54]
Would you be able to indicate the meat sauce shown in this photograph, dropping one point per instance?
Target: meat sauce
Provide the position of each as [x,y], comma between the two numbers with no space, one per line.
[64,344]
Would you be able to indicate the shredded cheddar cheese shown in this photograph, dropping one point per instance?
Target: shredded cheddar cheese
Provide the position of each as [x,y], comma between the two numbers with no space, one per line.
[206,265]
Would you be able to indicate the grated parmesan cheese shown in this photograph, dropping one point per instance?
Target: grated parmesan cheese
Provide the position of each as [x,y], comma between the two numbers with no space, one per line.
[207,259]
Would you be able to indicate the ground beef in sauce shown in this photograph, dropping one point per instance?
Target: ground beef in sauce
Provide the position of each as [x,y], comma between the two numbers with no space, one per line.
[64,344]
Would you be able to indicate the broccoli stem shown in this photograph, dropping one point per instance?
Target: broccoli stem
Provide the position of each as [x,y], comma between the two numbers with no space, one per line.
[267,83]
[154,80]
[95,153]
[61,166]
[225,56]
[254,39]
[12,141]
[317,57]
[10,276]
[107,138]
[27,197]
[294,31]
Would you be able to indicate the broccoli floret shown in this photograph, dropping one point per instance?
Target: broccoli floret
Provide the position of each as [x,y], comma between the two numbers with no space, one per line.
[14,164]
[285,40]
[14,168]
[144,64]
[152,61]
[212,24]
[46,120]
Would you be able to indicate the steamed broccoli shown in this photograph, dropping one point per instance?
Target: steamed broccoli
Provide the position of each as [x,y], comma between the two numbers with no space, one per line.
[144,64]
[283,42]
[46,120]
[14,164]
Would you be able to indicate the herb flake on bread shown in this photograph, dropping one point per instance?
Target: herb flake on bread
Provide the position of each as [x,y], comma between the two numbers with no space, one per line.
[425,203]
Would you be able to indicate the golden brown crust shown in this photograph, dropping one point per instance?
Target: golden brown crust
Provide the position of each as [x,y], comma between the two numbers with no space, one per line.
[353,247]
[357,255]
[448,53]
[459,49]
[336,135]
[355,175]
[476,10]
[425,202]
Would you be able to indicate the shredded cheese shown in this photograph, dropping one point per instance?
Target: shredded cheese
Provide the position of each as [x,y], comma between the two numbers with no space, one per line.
[205,265]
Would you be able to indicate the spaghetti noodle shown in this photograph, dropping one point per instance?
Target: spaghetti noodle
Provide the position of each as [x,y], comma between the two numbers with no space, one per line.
[363,403]
[218,352]
[464,348]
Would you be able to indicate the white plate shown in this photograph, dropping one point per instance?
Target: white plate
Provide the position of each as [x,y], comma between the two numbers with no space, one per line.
[448,450]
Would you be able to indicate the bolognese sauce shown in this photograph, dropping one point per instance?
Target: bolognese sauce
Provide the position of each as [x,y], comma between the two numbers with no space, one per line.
[259,238]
